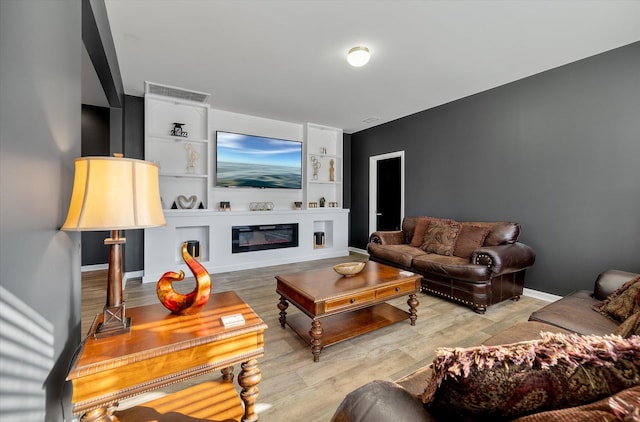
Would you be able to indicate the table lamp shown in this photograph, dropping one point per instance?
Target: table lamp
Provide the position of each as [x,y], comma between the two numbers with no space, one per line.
[114,193]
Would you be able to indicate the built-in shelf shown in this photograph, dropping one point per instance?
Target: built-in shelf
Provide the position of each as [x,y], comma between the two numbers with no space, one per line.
[323,164]
[183,161]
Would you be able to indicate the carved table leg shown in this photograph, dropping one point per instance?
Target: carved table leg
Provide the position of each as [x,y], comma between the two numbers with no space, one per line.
[413,312]
[248,379]
[227,373]
[316,334]
[283,305]
[101,414]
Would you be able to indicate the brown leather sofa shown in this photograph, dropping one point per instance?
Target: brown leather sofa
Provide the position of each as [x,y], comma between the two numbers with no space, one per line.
[479,276]
[398,401]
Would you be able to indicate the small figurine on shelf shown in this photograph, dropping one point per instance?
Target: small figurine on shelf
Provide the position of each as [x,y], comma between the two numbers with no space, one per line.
[315,164]
[178,131]
[322,201]
[332,171]
[192,158]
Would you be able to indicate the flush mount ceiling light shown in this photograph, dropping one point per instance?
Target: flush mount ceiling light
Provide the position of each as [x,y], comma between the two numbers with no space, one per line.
[358,56]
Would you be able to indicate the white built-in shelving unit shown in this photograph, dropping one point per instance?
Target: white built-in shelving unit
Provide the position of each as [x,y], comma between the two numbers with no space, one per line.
[323,149]
[164,106]
[174,154]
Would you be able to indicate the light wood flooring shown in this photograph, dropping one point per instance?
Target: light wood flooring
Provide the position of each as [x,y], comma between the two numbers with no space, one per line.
[293,387]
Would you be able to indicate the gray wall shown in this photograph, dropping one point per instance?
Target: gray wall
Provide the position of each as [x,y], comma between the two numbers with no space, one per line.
[40,77]
[558,152]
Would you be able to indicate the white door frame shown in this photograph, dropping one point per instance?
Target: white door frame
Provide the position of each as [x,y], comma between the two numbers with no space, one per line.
[373,191]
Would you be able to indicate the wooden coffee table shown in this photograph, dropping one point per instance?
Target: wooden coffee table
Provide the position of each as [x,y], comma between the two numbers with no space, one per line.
[344,307]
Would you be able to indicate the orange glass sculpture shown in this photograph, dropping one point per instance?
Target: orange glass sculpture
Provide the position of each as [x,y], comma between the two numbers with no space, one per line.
[190,303]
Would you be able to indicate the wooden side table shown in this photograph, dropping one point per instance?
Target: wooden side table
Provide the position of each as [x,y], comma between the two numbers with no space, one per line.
[164,349]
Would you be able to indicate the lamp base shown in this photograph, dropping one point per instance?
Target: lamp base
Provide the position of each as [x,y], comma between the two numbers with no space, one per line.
[114,322]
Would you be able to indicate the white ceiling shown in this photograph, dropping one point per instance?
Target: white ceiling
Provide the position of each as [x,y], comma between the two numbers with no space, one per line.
[286,60]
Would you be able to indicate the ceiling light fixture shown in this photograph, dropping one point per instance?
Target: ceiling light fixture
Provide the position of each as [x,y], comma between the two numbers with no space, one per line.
[358,56]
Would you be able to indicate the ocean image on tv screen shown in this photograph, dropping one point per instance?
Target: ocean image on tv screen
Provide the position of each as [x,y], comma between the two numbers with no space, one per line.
[256,161]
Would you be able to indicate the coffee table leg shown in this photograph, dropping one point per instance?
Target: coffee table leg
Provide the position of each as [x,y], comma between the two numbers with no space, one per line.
[316,334]
[413,312]
[283,305]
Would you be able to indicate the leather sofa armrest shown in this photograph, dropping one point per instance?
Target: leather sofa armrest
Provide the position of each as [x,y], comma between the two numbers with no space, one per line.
[387,237]
[381,401]
[504,259]
[609,281]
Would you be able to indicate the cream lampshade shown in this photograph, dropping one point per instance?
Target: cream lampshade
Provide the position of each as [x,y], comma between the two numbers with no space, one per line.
[114,193]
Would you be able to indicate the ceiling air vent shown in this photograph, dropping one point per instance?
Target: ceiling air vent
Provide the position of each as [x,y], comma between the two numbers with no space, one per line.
[171,91]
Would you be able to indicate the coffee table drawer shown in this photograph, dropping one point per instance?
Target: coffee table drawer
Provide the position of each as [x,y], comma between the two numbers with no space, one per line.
[353,300]
[396,289]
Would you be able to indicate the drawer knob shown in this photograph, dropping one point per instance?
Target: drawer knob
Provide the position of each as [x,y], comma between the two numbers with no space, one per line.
[352,300]
[397,289]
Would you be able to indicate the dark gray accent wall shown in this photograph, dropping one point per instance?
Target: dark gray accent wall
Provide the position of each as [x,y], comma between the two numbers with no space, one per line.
[133,143]
[558,152]
[40,76]
[95,142]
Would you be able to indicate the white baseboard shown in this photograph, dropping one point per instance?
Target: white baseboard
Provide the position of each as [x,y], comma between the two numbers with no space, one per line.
[131,274]
[358,250]
[537,294]
[94,267]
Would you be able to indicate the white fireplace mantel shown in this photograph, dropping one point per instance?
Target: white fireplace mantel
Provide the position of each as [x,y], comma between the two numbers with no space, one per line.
[213,230]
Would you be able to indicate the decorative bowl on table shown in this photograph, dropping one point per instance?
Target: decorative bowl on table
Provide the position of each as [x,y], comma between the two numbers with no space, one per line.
[348,269]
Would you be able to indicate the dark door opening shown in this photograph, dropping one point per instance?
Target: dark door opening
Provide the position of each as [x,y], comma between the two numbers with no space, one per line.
[388,194]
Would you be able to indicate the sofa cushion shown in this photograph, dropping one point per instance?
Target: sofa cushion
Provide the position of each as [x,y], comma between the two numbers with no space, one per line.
[630,326]
[440,237]
[573,312]
[399,254]
[622,303]
[557,371]
[418,232]
[622,406]
[470,238]
[451,266]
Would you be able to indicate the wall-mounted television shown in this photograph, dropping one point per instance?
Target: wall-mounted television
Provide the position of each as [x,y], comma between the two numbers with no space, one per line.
[257,161]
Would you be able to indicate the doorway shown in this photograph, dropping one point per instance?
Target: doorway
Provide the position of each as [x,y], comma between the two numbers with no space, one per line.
[386,191]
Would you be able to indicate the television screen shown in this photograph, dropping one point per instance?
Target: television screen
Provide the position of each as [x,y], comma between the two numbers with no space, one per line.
[257,161]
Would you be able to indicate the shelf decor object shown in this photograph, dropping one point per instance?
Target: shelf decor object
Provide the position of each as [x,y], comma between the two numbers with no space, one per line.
[187,203]
[192,158]
[178,131]
[315,164]
[114,193]
[190,303]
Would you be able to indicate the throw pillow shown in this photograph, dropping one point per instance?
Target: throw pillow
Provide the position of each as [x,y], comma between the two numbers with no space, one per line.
[418,232]
[471,237]
[506,381]
[622,303]
[440,237]
[630,326]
